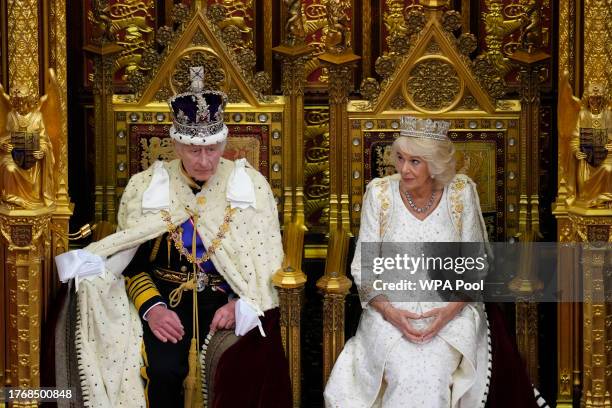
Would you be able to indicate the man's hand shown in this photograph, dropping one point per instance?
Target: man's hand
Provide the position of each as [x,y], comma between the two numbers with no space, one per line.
[580,155]
[225,317]
[6,147]
[165,324]
[442,315]
[608,147]
[38,154]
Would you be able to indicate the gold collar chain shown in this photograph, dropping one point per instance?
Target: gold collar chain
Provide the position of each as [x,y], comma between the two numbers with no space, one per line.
[176,236]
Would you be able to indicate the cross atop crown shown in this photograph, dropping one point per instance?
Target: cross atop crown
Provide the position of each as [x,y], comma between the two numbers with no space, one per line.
[196,74]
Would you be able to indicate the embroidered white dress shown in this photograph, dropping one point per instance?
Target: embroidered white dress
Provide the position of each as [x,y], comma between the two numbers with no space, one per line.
[378,366]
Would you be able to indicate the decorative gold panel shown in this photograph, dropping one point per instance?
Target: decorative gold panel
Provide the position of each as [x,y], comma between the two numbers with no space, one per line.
[433,85]
[23,48]
[431,74]
[597,42]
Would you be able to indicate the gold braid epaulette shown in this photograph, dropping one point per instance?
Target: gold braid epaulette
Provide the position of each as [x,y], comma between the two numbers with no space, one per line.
[173,232]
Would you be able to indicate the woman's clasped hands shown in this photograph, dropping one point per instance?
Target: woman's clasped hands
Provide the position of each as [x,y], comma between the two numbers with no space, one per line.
[406,322]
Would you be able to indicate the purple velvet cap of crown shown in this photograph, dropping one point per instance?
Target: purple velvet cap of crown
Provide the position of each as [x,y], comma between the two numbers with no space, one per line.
[198,117]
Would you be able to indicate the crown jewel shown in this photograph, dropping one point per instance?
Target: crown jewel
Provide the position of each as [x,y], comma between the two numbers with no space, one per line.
[198,114]
[424,128]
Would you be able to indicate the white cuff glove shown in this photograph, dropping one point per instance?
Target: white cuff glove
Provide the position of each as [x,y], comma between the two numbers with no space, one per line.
[246,319]
[78,264]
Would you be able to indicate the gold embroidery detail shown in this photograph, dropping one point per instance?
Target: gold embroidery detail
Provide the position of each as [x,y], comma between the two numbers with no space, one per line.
[457,186]
[173,233]
[155,249]
[383,197]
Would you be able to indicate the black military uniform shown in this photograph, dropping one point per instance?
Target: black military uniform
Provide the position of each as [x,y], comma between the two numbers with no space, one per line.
[155,271]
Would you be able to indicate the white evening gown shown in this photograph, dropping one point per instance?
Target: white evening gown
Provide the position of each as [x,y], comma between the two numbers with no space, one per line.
[378,367]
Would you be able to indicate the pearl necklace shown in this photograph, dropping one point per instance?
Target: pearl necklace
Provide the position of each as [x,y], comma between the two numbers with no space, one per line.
[420,210]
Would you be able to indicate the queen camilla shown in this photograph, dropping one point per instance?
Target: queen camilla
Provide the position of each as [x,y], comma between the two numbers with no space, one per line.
[417,354]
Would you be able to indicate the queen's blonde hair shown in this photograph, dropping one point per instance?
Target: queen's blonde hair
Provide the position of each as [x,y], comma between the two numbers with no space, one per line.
[438,154]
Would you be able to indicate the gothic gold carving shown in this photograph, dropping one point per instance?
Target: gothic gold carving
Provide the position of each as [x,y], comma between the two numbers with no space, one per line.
[385,66]
[467,43]
[394,20]
[154,149]
[566,38]
[468,103]
[99,17]
[527,335]
[452,51]
[180,13]
[399,44]
[370,89]
[21,232]
[338,35]
[29,145]
[294,24]
[316,171]
[530,38]
[416,19]
[451,20]
[433,48]
[214,74]
[234,20]
[23,48]
[597,42]
[340,67]
[398,102]
[58,60]
[315,23]
[199,40]
[290,281]
[131,26]
[334,286]
[498,26]
[23,285]
[585,128]
[433,85]
[165,35]
[21,235]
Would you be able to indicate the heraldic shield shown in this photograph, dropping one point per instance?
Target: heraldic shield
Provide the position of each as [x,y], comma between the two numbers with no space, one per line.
[24,145]
[592,142]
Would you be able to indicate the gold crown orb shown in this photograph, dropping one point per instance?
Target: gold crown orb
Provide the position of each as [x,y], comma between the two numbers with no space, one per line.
[424,128]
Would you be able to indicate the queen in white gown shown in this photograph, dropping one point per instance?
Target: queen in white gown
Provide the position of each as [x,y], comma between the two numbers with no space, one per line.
[416,354]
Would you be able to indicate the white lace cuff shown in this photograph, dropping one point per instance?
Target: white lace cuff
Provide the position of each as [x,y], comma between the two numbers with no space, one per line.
[246,319]
[78,264]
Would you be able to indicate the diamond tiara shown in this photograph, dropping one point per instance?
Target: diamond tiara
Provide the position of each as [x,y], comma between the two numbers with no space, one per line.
[424,128]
